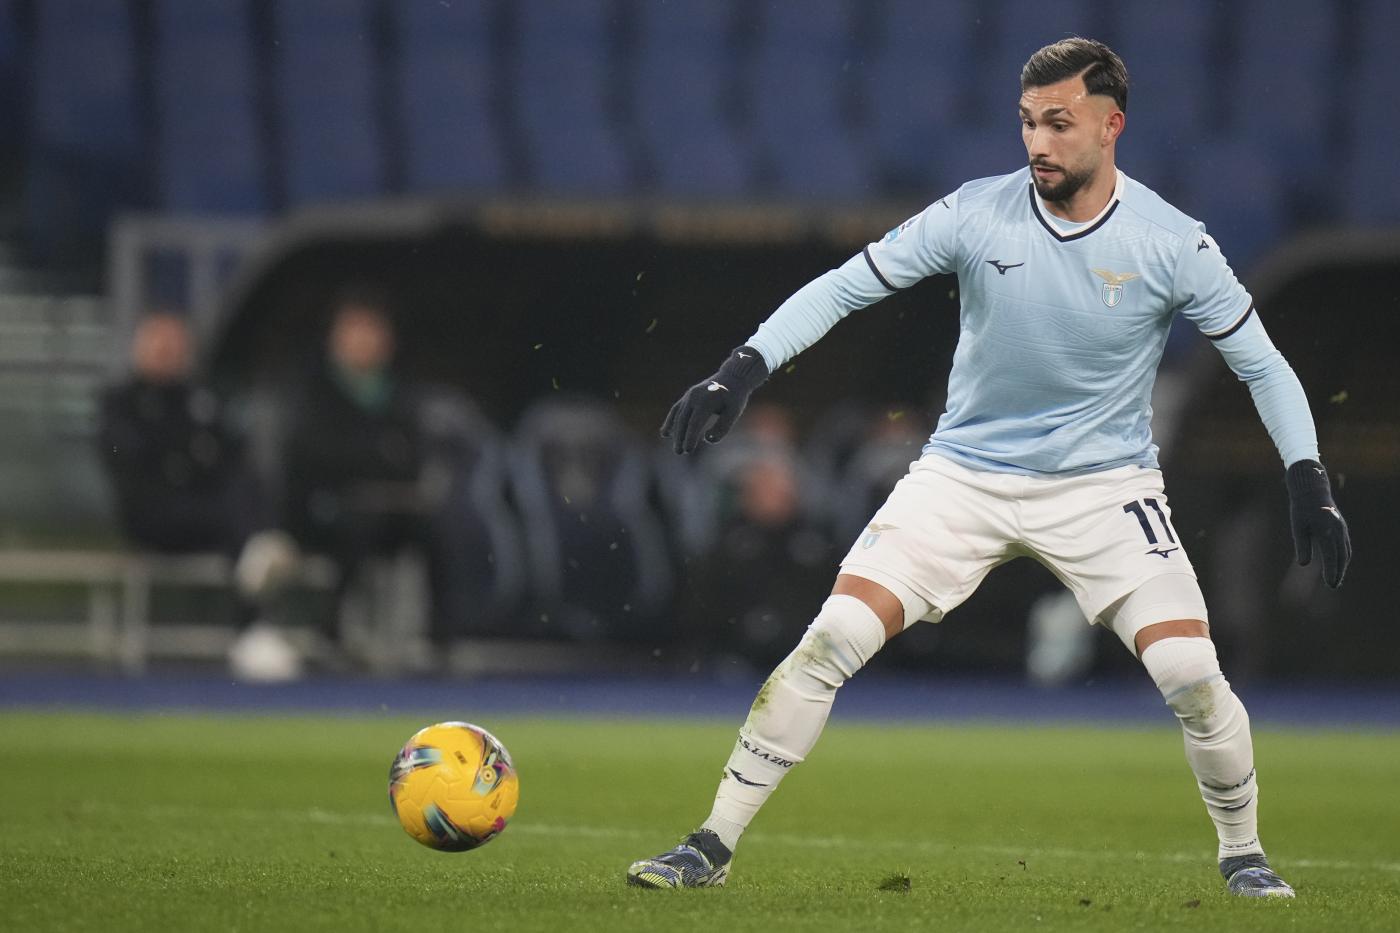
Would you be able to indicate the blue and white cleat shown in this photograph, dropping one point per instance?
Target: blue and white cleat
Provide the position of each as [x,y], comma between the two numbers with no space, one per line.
[1251,876]
[700,861]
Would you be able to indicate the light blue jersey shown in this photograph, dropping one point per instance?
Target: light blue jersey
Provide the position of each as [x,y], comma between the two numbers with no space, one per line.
[1062,327]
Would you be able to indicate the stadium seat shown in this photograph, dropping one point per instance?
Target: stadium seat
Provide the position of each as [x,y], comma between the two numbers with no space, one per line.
[872,474]
[209,152]
[561,77]
[915,89]
[85,145]
[445,91]
[1172,82]
[978,152]
[802,100]
[685,66]
[1372,196]
[1284,87]
[596,552]
[481,545]
[1233,187]
[326,82]
[1022,27]
[11,66]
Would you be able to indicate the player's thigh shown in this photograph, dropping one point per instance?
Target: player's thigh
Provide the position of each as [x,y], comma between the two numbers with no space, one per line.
[935,538]
[1167,606]
[1106,535]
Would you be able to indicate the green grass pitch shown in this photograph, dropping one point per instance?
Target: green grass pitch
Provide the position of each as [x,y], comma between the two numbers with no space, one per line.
[182,822]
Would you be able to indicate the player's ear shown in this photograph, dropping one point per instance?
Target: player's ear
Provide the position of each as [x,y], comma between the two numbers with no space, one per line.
[1113,126]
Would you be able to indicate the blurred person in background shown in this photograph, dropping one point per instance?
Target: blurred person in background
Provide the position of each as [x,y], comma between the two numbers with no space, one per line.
[356,459]
[183,484]
[758,583]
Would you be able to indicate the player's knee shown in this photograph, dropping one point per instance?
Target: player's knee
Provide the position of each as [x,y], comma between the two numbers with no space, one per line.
[1187,671]
[843,637]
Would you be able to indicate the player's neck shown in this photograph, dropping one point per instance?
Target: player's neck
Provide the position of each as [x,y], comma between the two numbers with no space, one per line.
[1089,201]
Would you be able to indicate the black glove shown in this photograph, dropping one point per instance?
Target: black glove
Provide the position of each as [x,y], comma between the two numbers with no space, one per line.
[1316,519]
[722,396]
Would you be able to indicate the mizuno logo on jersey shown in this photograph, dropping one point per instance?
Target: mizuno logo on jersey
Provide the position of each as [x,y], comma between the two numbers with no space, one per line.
[1113,284]
[1001,269]
[1163,552]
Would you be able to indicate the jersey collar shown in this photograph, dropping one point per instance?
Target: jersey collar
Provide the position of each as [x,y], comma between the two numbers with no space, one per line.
[1039,209]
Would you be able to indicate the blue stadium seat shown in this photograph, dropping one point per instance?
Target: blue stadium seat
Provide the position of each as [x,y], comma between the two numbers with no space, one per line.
[1171,74]
[978,152]
[1372,195]
[445,90]
[13,105]
[916,86]
[209,152]
[10,61]
[597,554]
[1022,27]
[1285,83]
[480,541]
[1233,187]
[1167,48]
[797,90]
[326,83]
[561,76]
[85,78]
[85,146]
[685,63]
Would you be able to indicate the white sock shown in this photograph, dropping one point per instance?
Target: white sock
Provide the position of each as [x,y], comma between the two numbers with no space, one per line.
[1216,730]
[791,709]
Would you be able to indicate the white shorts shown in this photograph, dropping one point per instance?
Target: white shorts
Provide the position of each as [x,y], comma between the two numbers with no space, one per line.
[945,526]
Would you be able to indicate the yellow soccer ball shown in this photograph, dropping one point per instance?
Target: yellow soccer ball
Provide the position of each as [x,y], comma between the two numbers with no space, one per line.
[453,786]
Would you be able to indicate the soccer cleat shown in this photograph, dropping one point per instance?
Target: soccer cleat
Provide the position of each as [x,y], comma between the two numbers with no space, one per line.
[700,861]
[1251,876]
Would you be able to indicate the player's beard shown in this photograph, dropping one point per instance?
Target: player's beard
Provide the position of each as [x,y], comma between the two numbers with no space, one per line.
[1067,187]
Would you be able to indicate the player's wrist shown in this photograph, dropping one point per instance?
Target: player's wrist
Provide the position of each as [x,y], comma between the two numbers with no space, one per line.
[1308,479]
[744,370]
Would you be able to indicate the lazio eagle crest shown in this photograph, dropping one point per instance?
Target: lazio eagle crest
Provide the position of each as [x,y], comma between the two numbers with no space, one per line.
[1113,284]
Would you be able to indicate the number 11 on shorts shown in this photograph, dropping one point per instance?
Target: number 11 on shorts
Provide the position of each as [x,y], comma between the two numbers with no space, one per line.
[1136,508]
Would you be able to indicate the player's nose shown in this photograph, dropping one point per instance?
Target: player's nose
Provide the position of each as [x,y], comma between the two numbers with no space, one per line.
[1038,144]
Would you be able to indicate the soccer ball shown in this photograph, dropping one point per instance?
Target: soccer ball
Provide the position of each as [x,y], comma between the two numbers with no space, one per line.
[453,786]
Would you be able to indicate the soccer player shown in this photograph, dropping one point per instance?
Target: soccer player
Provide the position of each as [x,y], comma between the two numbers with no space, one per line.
[1070,274]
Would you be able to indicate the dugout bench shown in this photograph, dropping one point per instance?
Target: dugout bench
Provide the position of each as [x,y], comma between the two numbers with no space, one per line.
[119,585]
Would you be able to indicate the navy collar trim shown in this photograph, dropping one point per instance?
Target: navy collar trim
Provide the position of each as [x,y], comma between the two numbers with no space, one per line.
[1066,237]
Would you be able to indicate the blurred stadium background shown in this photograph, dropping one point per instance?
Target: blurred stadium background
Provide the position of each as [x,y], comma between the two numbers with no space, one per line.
[577,207]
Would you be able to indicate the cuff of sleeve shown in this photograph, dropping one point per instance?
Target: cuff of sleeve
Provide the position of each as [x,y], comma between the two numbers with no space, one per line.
[772,359]
[746,364]
[1307,476]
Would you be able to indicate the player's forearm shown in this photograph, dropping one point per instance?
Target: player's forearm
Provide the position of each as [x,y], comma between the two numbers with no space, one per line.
[1278,395]
[1283,407]
[814,309]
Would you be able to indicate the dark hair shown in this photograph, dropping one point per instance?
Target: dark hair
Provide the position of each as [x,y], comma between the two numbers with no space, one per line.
[1103,71]
[359,294]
